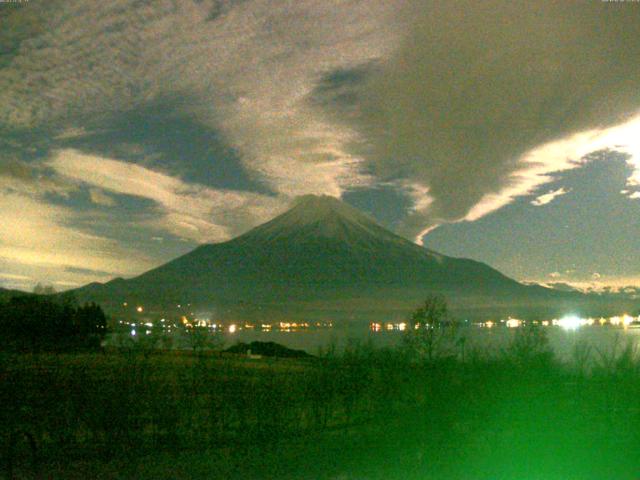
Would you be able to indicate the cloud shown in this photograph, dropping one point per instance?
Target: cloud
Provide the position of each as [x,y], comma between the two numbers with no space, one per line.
[464,106]
[549,197]
[29,178]
[65,283]
[610,284]
[246,71]
[87,271]
[15,169]
[100,198]
[37,234]
[476,88]
[188,211]
[41,240]
[72,133]
[594,282]
[13,276]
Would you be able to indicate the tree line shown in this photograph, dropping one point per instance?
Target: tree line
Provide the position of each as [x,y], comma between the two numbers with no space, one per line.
[50,323]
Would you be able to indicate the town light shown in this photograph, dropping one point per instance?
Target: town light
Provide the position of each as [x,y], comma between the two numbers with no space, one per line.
[514,323]
[570,322]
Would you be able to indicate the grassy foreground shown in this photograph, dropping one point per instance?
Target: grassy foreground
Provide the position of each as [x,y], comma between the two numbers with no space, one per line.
[363,414]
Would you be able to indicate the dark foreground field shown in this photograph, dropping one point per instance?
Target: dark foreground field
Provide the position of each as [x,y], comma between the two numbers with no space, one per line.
[364,414]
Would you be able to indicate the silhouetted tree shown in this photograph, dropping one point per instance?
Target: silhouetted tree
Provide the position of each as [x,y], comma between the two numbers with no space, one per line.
[90,324]
[41,289]
[430,331]
[529,347]
[202,339]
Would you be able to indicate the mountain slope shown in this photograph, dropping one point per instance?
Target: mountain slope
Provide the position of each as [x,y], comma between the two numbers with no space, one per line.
[6,294]
[322,257]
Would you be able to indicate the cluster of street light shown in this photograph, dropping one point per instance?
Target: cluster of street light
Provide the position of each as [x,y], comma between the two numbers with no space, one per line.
[568,322]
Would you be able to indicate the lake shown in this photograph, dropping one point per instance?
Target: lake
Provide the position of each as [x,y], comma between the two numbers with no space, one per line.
[603,339]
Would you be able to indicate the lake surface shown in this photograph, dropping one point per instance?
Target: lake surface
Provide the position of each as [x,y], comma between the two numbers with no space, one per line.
[603,340]
[599,339]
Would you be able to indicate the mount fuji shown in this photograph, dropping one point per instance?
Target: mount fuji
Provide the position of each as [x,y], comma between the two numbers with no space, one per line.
[325,259]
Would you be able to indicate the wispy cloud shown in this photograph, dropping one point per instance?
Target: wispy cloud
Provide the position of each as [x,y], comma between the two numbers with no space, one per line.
[29,179]
[13,276]
[549,197]
[100,198]
[262,60]
[37,233]
[189,211]
[594,282]
[39,240]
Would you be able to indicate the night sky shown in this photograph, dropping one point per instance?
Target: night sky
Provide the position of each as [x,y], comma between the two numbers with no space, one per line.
[503,131]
